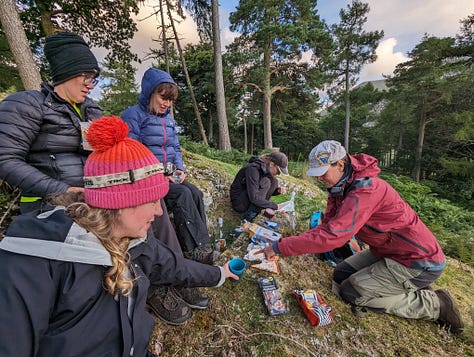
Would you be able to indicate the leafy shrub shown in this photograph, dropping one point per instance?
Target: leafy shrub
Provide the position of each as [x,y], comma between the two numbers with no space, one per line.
[452,225]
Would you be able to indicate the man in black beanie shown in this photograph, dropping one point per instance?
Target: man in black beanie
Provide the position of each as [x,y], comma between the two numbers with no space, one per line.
[42,146]
[68,56]
[41,149]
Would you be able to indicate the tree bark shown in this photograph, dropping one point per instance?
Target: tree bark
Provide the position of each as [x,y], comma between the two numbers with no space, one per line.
[16,37]
[224,137]
[419,147]
[188,79]
[245,136]
[267,100]
[348,109]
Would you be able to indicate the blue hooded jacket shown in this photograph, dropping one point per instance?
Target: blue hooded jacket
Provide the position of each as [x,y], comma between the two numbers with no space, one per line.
[156,132]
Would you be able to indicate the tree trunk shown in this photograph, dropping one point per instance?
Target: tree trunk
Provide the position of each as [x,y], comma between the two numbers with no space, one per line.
[210,128]
[224,138]
[348,110]
[44,7]
[164,39]
[419,147]
[252,137]
[188,79]
[16,37]
[267,100]
[245,136]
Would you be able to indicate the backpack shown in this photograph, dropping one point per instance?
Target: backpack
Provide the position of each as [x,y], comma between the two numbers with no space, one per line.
[337,255]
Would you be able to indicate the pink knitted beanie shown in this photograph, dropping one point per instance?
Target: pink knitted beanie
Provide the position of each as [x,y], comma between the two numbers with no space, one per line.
[120,172]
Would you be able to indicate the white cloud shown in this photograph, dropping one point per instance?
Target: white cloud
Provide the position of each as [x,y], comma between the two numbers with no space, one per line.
[386,61]
[147,35]
[227,37]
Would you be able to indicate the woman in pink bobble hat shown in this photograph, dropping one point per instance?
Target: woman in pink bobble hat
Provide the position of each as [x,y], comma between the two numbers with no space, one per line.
[84,265]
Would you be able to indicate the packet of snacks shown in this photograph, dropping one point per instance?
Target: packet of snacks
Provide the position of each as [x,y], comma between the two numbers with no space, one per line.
[271,296]
[317,312]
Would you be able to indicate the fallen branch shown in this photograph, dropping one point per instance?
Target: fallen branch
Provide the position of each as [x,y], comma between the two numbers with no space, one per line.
[247,336]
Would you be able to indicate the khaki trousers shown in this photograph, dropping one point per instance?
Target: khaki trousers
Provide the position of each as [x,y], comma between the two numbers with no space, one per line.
[384,285]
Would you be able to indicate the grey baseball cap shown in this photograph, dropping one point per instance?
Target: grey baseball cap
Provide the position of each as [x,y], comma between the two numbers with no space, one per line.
[323,155]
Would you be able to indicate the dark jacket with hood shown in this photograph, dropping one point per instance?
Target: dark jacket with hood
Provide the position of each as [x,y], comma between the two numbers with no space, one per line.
[52,295]
[40,141]
[156,131]
[248,180]
[371,209]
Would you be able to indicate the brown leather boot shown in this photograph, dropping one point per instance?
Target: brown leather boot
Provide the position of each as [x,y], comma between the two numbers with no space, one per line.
[449,316]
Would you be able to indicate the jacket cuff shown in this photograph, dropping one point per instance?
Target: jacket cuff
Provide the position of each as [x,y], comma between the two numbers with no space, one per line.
[222,279]
[275,247]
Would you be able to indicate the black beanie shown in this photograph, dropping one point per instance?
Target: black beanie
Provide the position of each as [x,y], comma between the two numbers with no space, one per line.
[68,56]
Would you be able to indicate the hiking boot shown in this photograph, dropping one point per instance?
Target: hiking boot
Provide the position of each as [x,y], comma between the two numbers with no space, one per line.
[249,215]
[449,316]
[202,254]
[167,305]
[193,298]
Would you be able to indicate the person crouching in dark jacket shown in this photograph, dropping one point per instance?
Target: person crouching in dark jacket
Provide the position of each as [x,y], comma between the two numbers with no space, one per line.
[85,265]
[255,183]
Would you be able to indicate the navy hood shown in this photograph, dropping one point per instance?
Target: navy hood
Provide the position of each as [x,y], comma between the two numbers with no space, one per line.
[150,81]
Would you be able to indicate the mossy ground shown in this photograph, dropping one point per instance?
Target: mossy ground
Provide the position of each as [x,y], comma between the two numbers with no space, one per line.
[237,322]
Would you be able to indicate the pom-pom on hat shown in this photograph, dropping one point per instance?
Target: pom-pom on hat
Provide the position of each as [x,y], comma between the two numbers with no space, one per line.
[120,172]
[323,156]
[68,56]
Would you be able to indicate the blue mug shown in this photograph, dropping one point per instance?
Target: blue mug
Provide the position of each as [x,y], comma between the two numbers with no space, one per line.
[237,266]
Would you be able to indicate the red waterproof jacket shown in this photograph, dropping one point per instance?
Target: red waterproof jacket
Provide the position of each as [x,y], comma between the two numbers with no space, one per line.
[374,212]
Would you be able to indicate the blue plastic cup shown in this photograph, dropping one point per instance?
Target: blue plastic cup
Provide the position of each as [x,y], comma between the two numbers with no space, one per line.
[237,266]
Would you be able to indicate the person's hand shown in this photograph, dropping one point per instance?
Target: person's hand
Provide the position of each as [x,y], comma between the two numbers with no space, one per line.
[75,189]
[282,190]
[268,251]
[228,273]
[183,175]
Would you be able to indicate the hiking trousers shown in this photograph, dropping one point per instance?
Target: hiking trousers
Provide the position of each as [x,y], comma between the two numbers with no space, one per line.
[386,286]
[164,231]
[185,201]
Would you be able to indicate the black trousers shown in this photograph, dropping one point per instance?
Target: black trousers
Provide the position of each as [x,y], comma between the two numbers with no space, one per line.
[163,230]
[185,201]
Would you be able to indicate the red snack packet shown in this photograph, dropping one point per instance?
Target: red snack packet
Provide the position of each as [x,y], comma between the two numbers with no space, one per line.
[317,312]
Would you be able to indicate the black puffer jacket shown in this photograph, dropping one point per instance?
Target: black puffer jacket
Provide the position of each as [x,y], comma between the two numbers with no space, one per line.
[40,141]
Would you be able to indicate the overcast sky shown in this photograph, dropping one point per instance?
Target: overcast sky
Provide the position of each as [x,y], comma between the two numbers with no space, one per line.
[404,23]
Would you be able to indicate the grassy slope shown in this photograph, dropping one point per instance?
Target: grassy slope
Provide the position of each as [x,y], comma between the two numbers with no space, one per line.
[237,323]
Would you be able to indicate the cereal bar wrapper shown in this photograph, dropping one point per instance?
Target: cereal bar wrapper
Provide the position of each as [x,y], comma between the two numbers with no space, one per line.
[317,312]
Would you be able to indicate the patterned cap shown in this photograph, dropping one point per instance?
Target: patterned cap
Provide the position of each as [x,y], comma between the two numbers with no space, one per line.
[322,156]
[120,172]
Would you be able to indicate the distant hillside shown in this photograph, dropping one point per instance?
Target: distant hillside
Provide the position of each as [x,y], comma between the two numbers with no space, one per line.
[379,84]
